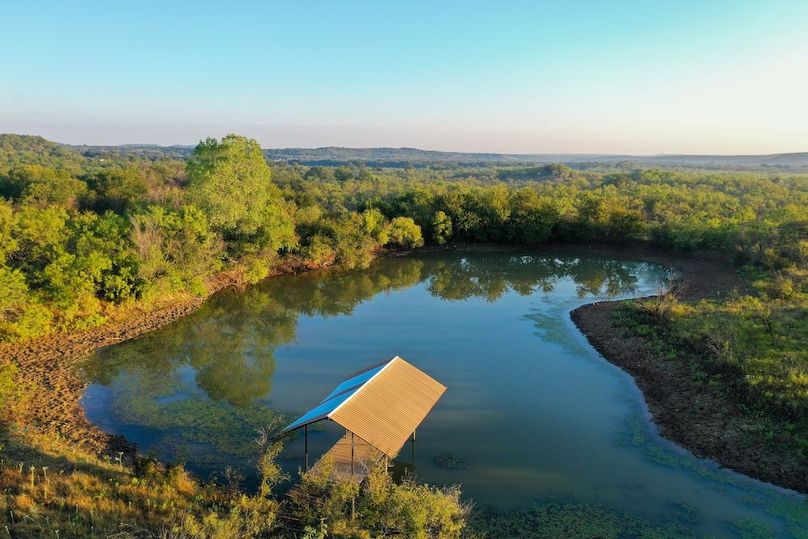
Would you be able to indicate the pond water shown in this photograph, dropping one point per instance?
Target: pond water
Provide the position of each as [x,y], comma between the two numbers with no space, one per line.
[533,414]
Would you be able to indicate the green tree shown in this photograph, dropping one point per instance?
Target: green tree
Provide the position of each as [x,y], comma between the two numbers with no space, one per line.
[405,233]
[376,225]
[441,228]
[43,186]
[532,218]
[117,188]
[176,248]
[230,182]
[7,222]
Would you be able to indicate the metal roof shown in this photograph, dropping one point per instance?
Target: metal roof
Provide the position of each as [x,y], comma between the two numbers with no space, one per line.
[382,404]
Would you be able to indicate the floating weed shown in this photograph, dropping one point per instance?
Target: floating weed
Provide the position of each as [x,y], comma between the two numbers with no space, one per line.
[569,520]
[752,529]
[794,510]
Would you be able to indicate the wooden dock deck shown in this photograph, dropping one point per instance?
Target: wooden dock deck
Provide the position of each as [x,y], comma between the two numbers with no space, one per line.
[339,460]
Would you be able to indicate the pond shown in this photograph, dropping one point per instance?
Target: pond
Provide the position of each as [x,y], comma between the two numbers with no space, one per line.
[533,417]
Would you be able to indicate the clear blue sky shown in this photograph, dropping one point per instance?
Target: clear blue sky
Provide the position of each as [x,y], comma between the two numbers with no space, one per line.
[568,76]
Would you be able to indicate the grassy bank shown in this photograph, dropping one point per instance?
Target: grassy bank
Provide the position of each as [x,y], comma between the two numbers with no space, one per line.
[721,360]
[52,489]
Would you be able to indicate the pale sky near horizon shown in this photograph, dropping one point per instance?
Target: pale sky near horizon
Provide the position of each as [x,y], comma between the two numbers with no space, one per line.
[636,77]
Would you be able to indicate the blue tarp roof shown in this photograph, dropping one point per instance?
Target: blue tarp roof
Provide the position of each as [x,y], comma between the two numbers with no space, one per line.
[338,395]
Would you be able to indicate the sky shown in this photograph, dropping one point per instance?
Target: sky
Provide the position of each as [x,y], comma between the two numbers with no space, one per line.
[633,77]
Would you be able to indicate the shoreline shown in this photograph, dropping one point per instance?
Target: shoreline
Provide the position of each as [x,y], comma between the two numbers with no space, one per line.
[52,361]
[700,421]
[697,418]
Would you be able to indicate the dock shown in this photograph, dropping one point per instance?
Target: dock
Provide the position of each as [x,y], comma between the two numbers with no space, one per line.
[350,458]
[379,407]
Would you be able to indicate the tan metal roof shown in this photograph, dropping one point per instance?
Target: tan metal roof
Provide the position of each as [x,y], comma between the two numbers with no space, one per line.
[385,409]
[390,406]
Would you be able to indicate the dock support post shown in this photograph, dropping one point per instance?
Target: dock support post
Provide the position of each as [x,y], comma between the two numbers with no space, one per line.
[306,447]
[412,447]
[353,498]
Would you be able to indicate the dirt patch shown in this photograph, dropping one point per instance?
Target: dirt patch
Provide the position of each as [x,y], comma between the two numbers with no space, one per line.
[49,365]
[701,419]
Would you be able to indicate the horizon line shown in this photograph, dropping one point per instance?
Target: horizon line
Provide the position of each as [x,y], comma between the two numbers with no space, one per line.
[465,152]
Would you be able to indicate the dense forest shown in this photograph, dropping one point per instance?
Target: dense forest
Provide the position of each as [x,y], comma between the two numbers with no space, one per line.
[413,157]
[88,235]
[83,236]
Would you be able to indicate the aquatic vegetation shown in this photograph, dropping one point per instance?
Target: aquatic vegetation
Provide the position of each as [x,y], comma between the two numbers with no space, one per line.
[450,461]
[555,519]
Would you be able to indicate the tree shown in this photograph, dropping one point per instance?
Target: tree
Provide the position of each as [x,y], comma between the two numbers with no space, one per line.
[532,218]
[230,182]
[176,247]
[405,233]
[441,228]
[376,225]
[43,186]
[7,222]
[117,188]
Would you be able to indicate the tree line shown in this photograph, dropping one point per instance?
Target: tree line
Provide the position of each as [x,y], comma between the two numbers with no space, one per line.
[82,237]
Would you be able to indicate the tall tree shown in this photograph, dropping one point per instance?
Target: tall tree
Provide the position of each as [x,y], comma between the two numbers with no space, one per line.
[231,182]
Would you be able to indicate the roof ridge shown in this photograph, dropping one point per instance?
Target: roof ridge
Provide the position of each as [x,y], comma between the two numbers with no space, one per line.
[361,387]
[366,369]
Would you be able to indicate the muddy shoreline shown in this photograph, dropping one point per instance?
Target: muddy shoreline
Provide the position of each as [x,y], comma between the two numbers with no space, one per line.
[701,421]
[696,417]
[50,364]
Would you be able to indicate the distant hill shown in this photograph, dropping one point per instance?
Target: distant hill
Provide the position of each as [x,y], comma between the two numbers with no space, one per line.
[797,161]
[411,156]
[17,150]
[22,149]
[133,151]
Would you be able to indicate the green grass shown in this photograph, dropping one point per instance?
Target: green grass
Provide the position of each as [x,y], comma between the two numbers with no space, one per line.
[752,348]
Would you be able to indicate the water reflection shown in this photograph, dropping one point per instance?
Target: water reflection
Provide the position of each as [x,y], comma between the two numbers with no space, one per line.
[489,278]
[532,412]
[230,342]
[203,385]
[200,388]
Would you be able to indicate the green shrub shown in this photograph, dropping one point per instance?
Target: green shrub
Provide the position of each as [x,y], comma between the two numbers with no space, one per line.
[405,233]
[8,384]
[377,508]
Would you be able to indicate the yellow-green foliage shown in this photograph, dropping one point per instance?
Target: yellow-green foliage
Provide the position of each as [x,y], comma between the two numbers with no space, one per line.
[230,182]
[8,385]
[78,237]
[48,487]
[756,345]
[77,244]
[405,233]
[377,508]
